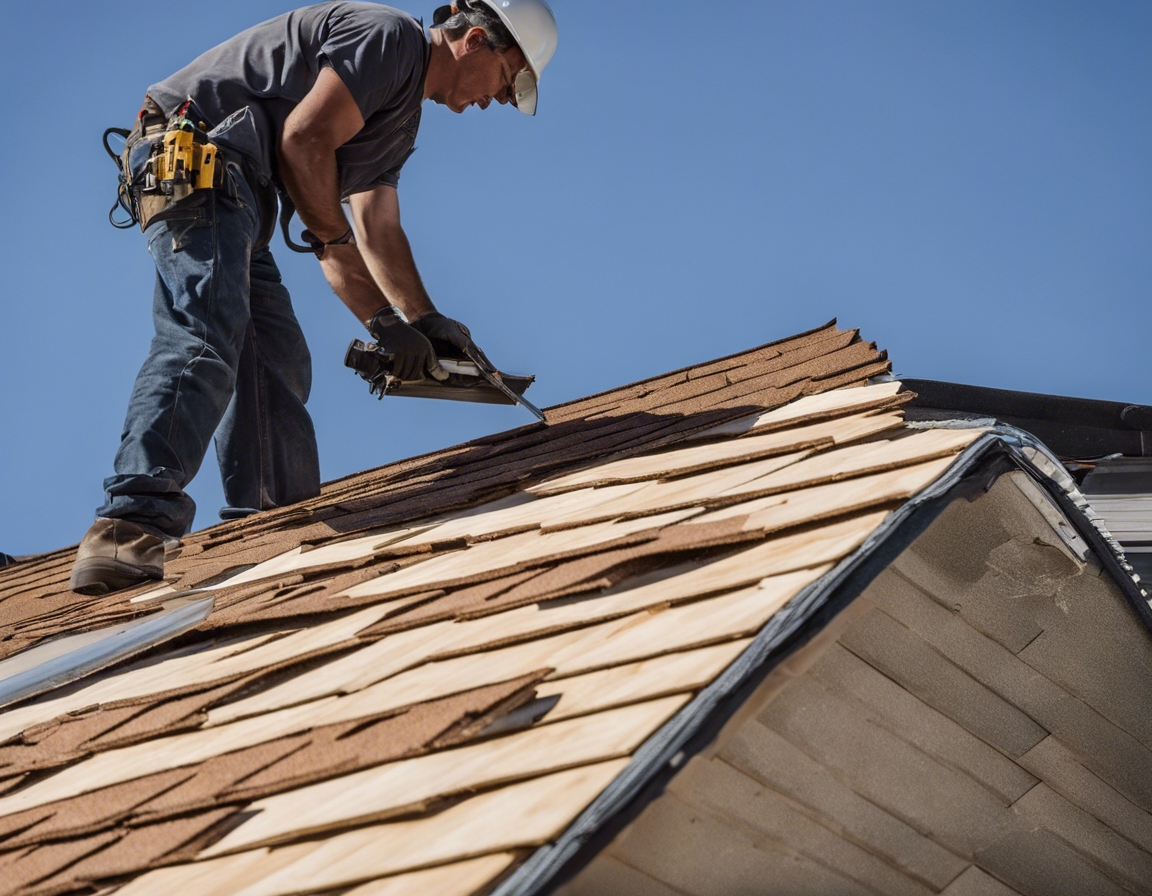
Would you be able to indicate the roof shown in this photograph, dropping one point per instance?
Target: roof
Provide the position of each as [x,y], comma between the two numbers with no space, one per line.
[643,415]
[420,681]
[1071,427]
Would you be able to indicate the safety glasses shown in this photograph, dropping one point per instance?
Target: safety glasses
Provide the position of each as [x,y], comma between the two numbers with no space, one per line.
[519,88]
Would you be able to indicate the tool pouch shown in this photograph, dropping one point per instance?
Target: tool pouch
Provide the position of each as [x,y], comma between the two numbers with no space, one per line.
[167,167]
[150,128]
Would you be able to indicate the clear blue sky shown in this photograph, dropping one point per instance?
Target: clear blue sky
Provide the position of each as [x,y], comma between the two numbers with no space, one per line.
[970,183]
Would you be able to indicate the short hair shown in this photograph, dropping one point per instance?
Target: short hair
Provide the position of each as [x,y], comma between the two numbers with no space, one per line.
[456,20]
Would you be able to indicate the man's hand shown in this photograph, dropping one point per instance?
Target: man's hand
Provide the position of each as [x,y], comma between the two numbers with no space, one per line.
[435,325]
[412,354]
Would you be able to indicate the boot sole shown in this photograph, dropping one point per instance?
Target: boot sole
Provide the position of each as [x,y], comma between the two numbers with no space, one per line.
[96,576]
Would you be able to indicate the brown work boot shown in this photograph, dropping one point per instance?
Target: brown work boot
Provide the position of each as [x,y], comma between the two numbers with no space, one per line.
[116,554]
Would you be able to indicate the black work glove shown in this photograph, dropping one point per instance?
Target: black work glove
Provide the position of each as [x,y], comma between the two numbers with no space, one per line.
[412,354]
[435,325]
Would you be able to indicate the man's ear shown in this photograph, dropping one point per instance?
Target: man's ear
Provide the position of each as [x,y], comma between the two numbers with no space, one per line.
[475,39]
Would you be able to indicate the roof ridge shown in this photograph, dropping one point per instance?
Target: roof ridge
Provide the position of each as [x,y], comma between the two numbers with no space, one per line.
[830,325]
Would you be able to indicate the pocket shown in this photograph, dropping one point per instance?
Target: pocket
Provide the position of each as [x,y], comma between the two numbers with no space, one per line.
[147,201]
[137,152]
[238,132]
[157,207]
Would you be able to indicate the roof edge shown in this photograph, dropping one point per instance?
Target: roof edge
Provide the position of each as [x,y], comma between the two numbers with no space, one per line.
[832,324]
[1071,427]
[552,407]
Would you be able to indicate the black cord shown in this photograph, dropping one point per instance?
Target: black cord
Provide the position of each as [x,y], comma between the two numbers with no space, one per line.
[122,190]
[120,203]
[119,132]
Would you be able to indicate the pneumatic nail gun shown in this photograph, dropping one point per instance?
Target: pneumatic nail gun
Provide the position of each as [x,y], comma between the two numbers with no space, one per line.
[469,378]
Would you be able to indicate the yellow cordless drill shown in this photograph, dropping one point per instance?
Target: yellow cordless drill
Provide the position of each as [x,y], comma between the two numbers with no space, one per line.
[186,162]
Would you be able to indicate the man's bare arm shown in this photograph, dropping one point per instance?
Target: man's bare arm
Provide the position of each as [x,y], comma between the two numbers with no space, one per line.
[386,251]
[321,123]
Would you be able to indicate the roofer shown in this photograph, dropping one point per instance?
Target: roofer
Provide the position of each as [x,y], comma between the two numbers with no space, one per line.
[320,104]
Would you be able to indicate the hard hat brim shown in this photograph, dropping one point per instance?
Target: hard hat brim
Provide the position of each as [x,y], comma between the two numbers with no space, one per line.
[526,92]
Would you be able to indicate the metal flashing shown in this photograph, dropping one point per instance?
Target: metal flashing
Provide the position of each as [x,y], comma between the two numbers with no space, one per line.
[69,658]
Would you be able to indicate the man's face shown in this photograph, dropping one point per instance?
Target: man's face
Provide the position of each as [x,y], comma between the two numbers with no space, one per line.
[481,74]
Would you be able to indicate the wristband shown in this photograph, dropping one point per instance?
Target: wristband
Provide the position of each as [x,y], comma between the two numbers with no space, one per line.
[385,317]
[318,245]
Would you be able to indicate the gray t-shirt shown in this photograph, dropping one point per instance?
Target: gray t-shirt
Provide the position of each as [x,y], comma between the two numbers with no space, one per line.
[380,53]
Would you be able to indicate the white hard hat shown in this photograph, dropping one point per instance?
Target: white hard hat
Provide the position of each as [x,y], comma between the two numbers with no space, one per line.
[534,28]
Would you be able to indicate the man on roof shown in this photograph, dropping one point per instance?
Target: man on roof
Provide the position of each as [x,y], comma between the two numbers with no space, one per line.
[321,105]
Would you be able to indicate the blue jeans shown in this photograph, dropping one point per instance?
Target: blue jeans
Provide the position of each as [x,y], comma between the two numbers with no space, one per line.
[228,358]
